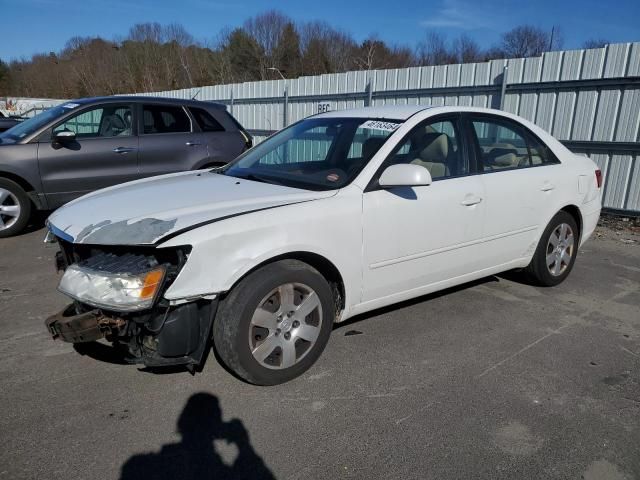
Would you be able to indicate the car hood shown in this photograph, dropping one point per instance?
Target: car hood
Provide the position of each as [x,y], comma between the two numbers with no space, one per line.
[146,211]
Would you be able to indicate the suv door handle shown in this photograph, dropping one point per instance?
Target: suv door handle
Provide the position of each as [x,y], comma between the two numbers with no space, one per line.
[123,149]
[470,200]
[547,187]
[192,144]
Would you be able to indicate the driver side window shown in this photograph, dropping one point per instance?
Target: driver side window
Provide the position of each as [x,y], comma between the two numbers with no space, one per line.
[104,121]
[434,145]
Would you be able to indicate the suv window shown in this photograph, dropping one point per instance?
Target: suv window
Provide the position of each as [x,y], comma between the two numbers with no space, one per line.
[504,144]
[205,120]
[164,119]
[102,121]
[434,145]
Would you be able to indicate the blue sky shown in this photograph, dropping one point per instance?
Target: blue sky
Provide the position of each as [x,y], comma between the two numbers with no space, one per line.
[32,26]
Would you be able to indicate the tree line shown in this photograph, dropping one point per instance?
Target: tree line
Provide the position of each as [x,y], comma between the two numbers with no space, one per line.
[154,57]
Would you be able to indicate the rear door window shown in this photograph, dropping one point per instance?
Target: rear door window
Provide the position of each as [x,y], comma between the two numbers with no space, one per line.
[164,119]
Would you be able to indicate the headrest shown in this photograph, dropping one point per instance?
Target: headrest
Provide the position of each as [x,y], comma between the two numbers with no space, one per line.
[434,147]
[371,146]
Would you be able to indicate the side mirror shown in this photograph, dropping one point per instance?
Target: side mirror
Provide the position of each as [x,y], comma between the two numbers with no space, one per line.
[64,136]
[405,175]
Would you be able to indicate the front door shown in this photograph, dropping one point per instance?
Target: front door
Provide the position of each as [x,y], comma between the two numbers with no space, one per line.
[104,153]
[417,238]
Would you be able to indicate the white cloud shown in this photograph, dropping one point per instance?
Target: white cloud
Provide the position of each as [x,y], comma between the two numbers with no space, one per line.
[457,14]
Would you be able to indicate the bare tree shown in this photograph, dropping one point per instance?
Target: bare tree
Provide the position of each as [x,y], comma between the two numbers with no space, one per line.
[433,50]
[529,41]
[466,50]
[595,43]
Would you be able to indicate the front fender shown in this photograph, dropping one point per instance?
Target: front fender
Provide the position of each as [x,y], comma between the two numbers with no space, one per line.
[223,252]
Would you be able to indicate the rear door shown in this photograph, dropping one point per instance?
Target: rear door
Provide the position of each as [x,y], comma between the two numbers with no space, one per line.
[518,173]
[104,153]
[168,142]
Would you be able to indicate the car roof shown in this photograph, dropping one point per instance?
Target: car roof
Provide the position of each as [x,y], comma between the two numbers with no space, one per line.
[403,112]
[148,99]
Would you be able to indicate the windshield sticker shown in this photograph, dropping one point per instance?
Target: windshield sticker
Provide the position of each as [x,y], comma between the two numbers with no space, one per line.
[333,177]
[379,125]
[70,105]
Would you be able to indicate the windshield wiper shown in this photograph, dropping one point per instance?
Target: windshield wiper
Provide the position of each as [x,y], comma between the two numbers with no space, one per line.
[260,178]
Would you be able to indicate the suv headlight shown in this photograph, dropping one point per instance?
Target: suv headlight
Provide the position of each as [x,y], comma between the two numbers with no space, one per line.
[113,291]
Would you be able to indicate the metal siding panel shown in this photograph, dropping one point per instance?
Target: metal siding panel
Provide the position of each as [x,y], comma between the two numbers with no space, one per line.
[532,69]
[564,115]
[482,73]
[515,70]
[616,62]
[572,65]
[546,110]
[585,115]
[453,75]
[616,186]
[629,119]
[426,77]
[467,74]
[633,196]
[633,70]
[593,63]
[511,103]
[439,76]
[606,116]
[497,67]
[551,62]
[527,107]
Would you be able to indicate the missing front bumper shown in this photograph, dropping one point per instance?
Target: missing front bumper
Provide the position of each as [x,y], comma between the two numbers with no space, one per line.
[90,326]
[174,335]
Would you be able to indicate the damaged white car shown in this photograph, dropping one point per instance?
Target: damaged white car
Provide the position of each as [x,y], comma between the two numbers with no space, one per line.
[336,215]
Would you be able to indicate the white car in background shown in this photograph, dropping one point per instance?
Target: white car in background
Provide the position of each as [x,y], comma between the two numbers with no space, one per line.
[334,216]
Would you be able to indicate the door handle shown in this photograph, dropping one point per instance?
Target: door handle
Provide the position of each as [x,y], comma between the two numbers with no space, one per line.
[123,149]
[470,200]
[192,144]
[547,187]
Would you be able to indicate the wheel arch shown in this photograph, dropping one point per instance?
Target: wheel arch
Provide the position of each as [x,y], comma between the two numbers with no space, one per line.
[24,184]
[326,268]
[574,211]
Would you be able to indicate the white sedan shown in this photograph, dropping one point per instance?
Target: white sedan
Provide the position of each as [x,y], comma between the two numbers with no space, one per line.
[334,216]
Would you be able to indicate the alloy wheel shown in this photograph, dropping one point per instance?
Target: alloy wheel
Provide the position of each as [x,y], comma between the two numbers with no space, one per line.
[560,249]
[285,326]
[9,209]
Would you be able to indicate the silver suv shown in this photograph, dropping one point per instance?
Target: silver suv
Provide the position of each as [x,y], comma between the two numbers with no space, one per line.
[92,143]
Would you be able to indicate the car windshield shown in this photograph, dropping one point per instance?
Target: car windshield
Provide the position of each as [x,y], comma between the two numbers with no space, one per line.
[315,154]
[29,126]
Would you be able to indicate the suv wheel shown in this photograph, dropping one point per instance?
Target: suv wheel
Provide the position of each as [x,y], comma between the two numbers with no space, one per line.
[275,323]
[15,208]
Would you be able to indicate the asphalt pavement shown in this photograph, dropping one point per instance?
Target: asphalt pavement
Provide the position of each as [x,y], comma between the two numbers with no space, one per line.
[495,379]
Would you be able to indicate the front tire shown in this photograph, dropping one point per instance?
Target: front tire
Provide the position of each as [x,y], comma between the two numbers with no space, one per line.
[275,323]
[15,208]
[556,251]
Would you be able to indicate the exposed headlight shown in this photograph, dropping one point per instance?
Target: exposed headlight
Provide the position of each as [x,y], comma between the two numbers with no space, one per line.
[112,291]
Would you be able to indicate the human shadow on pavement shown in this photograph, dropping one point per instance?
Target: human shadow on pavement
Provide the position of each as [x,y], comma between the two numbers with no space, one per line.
[195,456]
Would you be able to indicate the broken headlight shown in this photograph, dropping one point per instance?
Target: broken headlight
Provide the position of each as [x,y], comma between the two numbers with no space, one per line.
[125,292]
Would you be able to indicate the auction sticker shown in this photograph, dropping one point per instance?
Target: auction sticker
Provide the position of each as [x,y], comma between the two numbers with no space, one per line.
[380,125]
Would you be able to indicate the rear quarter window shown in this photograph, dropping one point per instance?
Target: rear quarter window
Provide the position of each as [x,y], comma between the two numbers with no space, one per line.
[205,120]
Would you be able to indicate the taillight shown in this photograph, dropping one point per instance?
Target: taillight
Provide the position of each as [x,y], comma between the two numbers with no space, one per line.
[599,178]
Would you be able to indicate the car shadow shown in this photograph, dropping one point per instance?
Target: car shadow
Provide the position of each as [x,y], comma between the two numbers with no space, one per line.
[195,456]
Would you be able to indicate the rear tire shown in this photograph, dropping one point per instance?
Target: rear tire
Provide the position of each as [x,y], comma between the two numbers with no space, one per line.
[556,252]
[15,208]
[275,323]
